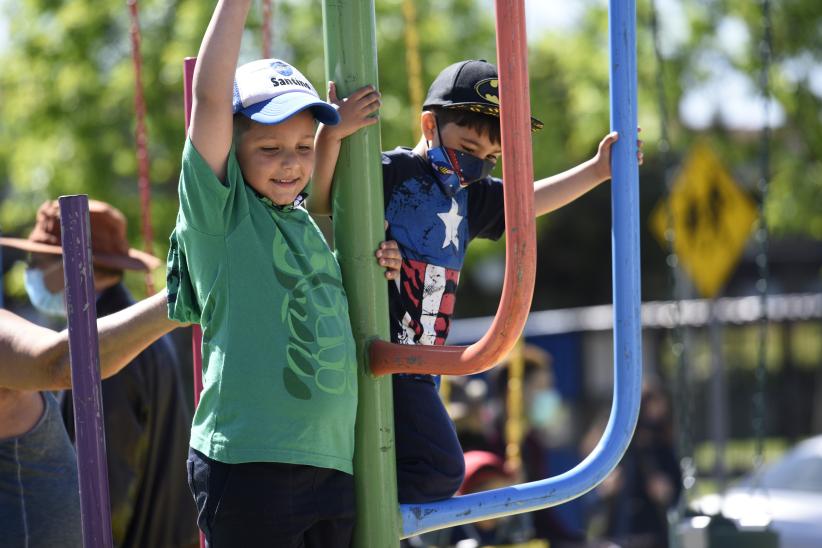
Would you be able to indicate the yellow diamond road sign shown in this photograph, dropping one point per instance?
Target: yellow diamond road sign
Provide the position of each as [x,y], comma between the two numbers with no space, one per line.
[712,220]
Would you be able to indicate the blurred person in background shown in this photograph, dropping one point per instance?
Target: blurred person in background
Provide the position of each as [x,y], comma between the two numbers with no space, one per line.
[146,416]
[634,499]
[39,496]
[485,471]
[546,423]
[472,410]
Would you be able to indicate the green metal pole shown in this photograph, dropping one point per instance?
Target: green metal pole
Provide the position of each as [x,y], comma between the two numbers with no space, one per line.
[351,62]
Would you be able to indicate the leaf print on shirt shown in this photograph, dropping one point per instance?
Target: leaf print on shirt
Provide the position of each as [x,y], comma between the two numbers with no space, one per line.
[316,313]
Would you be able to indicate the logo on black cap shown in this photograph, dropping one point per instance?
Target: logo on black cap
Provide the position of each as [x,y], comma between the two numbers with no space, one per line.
[469,85]
[488,90]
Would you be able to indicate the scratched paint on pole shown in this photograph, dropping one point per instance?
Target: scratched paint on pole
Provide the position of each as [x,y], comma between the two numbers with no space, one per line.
[87,397]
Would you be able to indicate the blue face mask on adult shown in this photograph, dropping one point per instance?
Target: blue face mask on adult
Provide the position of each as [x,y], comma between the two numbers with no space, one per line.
[456,169]
[51,304]
[544,408]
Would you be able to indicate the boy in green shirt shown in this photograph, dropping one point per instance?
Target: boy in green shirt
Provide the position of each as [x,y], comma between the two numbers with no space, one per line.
[273,436]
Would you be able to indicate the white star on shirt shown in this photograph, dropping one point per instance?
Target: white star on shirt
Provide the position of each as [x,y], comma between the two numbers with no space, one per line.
[451,219]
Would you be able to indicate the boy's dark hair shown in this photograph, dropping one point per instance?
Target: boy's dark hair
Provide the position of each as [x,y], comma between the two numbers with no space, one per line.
[481,123]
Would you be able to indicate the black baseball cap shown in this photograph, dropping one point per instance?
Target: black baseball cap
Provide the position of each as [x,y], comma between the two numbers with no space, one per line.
[469,85]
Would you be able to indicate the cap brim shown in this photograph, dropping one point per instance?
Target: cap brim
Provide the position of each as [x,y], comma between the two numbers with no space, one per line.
[489,110]
[285,106]
[135,260]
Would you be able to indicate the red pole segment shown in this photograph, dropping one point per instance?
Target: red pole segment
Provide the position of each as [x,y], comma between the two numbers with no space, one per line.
[267,28]
[141,134]
[520,227]
[188,82]
[87,396]
[196,330]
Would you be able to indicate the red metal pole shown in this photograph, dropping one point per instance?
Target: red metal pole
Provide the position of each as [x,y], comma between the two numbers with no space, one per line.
[188,81]
[520,227]
[196,331]
[267,9]
[143,180]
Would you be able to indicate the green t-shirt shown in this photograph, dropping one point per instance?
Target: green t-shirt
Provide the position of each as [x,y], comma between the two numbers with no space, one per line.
[279,364]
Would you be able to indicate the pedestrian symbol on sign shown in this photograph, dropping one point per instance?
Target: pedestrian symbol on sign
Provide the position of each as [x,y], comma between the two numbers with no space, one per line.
[711,217]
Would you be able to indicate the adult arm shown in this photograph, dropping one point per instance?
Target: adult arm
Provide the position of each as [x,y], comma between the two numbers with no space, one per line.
[36,358]
[212,115]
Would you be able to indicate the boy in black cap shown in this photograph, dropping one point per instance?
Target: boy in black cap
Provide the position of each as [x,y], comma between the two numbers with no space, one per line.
[438,197]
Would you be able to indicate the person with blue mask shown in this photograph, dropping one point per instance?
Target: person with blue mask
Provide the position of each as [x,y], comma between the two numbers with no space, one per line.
[50,303]
[146,415]
[547,428]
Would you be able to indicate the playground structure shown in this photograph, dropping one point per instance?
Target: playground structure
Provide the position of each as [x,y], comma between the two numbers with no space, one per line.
[352,25]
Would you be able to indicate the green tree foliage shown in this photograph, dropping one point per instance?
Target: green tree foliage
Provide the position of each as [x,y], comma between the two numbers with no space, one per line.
[796,169]
[68,105]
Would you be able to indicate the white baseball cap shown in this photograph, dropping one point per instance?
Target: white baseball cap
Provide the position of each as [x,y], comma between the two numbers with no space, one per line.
[270,90]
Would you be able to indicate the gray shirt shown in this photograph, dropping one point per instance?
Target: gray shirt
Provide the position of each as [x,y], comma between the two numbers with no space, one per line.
[39,497]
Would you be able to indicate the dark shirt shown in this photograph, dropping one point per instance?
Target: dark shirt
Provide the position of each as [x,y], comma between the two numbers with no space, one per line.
[433,229]
[633,512]
[147,424]
[39,501]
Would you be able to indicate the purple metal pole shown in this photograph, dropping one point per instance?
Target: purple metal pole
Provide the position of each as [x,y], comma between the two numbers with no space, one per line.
[1,273]
[85,371]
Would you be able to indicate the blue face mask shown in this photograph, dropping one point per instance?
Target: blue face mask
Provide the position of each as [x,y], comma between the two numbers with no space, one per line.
[51,304]
[544,408]
[456,169]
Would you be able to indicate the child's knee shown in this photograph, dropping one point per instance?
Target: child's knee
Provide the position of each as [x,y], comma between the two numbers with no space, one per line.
[457,475]
[434,476]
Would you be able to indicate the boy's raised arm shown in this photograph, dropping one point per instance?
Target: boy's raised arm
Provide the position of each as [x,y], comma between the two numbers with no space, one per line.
[211,129]
[563,188]
[554,192]
[356,111]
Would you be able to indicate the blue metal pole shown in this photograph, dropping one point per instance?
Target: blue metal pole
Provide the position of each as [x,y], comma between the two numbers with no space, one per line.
[85,371]
[627,325]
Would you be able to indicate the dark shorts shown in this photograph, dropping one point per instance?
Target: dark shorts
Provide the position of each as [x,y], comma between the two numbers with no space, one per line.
[271,504]
[430,463]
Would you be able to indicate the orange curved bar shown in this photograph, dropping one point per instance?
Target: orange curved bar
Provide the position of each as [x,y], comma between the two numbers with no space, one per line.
[520,231]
